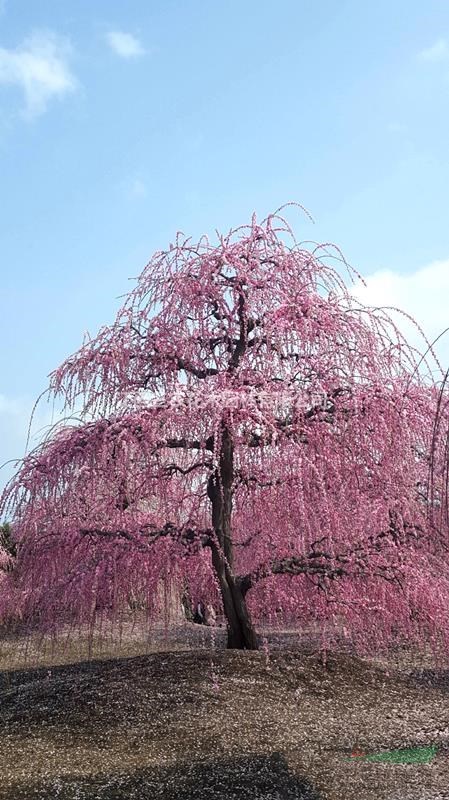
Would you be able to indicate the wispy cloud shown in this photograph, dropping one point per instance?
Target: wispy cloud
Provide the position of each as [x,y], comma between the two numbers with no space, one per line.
[438,51]
[422,294]
[124,45]
[39,67]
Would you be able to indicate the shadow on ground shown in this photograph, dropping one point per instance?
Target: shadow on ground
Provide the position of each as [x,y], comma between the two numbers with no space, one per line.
[251,778]
[430,678]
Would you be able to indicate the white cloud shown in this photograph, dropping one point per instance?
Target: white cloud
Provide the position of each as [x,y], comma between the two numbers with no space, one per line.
[423,294]
[124,44]
[40,68]
[439,51]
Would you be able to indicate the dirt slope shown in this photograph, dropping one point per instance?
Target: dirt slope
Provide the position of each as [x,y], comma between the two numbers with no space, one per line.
[227,724]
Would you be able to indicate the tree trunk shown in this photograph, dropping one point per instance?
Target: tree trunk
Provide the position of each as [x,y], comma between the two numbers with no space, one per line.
[241,633]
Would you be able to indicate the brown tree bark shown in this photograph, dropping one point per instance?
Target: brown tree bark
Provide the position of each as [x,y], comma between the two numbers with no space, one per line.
[241,633]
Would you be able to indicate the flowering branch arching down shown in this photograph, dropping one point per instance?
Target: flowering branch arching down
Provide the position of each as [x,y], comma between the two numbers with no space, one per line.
[254,433]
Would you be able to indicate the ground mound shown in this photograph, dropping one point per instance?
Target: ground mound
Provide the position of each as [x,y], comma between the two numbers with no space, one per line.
[202,724]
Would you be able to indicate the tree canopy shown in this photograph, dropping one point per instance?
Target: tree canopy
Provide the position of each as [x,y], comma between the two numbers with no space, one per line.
[250,430]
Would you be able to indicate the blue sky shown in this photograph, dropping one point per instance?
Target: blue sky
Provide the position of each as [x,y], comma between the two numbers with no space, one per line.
[121,123]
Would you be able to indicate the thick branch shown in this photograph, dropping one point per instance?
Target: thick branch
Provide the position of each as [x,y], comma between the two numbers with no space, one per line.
[172,469]
[289,566]
[323,411]
[352,562]
[245,327]
[179,363]
[245,480]
[206,372]
[186,535]
[188,444]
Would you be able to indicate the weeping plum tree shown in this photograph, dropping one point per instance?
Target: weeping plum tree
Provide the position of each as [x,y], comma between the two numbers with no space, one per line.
[249,430]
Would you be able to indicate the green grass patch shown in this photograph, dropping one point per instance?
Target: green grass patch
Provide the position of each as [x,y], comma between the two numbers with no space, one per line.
[408,755]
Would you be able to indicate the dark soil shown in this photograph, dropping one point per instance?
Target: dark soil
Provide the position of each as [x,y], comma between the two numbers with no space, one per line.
[216,724]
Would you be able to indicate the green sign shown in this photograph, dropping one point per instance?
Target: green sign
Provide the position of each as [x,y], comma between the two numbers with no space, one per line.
[409,755]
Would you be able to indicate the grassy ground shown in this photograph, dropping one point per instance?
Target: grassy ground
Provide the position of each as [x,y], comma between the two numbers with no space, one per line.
[184,722]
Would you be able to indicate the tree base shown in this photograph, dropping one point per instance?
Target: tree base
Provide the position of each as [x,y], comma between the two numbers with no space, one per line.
[242,640]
